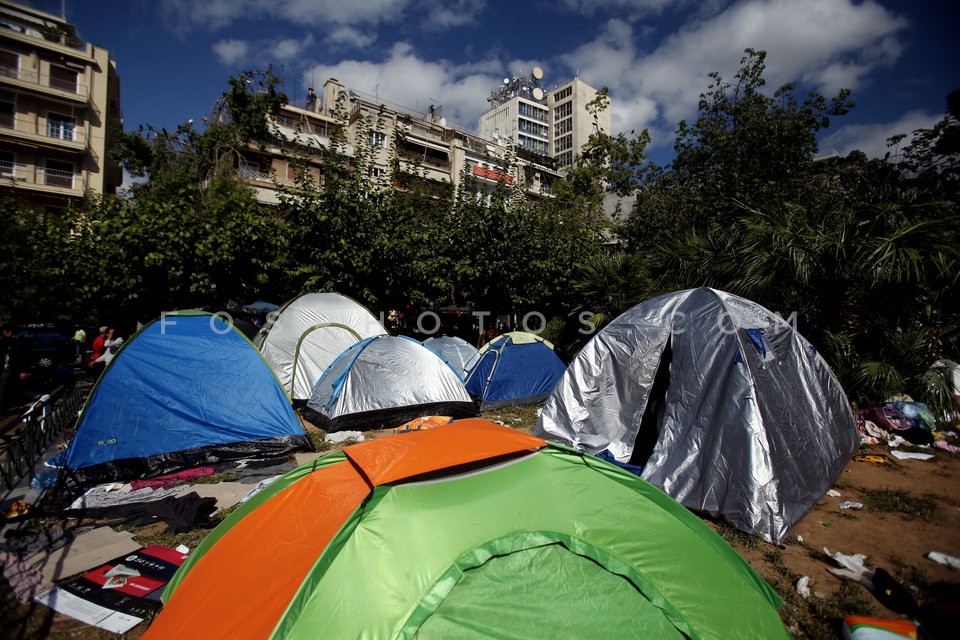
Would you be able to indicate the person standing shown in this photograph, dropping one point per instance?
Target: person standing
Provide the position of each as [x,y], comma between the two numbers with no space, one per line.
[79,344]
[98,344]
[15,357]
[111,345]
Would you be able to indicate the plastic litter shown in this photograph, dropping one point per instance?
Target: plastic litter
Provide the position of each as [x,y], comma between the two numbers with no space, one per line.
[849,504]
[834,493]
[342,436]
[910,455]
[45,479]
[851,566]
[869,628]
[803,587]
[942,558]
[182,548]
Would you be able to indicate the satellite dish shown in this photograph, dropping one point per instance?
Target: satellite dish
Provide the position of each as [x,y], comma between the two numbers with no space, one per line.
[538,93]
[506,81]
[537,73]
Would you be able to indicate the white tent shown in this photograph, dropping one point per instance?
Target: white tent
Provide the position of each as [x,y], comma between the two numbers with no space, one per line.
[385,381]
[309,333]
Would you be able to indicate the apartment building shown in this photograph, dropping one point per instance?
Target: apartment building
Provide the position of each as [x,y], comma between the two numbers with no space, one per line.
[341,120]
[59,107]
[553,123]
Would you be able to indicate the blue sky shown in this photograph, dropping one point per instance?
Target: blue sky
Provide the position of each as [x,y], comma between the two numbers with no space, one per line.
[174,56]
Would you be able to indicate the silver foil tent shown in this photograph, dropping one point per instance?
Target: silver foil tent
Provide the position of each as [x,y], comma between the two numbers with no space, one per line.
[384,381]
[721,403]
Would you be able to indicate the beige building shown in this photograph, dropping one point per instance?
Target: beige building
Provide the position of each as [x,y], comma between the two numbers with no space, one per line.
[550,122]
[427,149]
[59,106]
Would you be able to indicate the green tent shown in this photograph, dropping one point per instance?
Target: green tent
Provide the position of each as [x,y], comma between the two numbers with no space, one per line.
[469,530]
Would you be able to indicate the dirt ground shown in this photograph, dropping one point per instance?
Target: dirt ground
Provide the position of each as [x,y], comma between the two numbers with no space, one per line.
[911,508]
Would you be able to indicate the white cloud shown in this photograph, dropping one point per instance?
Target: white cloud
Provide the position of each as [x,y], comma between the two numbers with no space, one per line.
[409,83]
[872,138]
[635,7]
[443,14]
[826,43]
[289,48]
[216,14]
[350,37]
[231,52]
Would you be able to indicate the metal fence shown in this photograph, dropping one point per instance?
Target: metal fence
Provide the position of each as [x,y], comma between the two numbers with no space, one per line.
[25,443]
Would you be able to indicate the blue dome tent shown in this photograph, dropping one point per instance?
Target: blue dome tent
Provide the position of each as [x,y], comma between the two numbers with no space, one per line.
[514,369]
[188,389]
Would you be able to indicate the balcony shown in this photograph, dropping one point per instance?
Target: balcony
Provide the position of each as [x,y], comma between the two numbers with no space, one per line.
[490,174]
[55,134]
[71,89]
[41,179]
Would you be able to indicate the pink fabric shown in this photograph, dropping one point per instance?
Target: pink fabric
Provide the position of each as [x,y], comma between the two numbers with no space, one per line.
[946,446]
[171,479]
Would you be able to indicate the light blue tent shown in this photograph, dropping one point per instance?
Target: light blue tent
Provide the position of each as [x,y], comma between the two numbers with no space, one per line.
[514,369]
[188,389]
[456,352]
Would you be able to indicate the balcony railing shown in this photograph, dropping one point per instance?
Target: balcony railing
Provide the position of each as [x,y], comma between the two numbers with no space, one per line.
[490,174]
[28,176]
[72,86]
[56,177]
[55,129]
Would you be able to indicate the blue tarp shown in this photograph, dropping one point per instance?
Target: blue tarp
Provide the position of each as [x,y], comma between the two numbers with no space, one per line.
[187,390]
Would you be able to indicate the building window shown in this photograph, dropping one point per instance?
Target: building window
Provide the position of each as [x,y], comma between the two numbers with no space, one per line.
[562,111]
[378,172]
[63,79]
[251,171]
[565,159]
[537,146]
[564,126]
[61,126]
[564,143]
[532,111]
[59,174]
[8,163]
[534,128]
[378,139]
[9,64]
[294,173]
[563,93]
[7,115]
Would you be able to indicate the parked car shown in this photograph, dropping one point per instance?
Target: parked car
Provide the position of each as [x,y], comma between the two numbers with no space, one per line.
[51,356]
[50,346]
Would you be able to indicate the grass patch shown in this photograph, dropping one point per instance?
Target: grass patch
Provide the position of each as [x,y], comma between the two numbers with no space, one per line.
[899,501]
[522,418]
[317,438]
[737,538]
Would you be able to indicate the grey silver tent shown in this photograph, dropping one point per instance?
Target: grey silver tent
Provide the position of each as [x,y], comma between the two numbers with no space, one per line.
[456,352]
[384,381]
[723,405]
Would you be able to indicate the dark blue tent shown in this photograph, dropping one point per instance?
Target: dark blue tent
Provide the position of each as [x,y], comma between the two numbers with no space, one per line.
[188,389]
[514,369]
